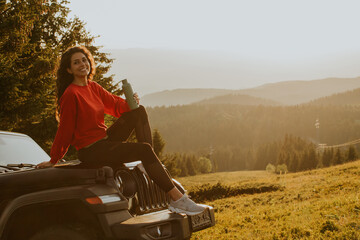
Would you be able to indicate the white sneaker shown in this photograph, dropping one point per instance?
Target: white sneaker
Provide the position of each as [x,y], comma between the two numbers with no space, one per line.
[185,205]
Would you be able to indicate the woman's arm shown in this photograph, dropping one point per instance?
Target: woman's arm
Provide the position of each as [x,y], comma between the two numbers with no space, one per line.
[65,131]
[113,105]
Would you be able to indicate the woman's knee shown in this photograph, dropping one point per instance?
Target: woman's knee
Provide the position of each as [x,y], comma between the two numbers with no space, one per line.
[139,114]
[142,108]
[142,111]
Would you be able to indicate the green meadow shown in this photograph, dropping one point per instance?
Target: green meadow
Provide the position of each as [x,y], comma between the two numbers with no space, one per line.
[316,204]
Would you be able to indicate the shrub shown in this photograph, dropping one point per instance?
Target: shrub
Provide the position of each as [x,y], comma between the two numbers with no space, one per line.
[205,165]
[282,168]
[328,226]
[270,168]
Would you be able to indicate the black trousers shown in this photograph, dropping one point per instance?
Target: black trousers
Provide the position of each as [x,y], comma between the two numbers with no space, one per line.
[114,151]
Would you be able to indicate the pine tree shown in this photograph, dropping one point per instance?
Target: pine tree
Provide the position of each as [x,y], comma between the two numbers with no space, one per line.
[158,143]
[313,161]
[294,162]
[171,163]
[337,158]
[183,168]
[303,163]
[351,155]
[34,33]
[190,166]
[326,158]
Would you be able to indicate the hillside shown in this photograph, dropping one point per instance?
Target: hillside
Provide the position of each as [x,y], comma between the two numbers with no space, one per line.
[237,99]
[318,204]
[286,93]
[346,98]
[198,127]
[297,92]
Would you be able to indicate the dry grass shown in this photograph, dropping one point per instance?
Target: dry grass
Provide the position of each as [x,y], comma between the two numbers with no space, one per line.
[318,204]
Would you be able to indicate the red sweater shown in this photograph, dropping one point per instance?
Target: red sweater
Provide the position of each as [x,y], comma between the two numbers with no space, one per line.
[82,110]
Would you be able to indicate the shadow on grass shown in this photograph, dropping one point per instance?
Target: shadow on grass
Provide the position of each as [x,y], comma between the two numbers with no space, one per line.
[208,192]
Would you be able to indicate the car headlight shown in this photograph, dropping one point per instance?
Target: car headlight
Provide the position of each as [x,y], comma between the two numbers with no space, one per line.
[126,183]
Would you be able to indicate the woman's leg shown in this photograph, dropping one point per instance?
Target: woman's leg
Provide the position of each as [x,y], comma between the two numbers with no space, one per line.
[123,127]
[143,130]
[111,153]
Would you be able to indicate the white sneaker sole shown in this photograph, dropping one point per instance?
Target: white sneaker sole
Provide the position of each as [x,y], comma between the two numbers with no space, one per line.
[178,210]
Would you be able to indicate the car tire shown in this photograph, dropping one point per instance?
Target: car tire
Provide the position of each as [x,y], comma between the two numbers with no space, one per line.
[64,232]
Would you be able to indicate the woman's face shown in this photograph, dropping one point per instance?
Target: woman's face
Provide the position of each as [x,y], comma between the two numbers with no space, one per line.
[79,66]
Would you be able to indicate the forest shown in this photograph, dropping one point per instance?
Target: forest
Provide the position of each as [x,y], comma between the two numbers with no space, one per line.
[199,128]
[236,137]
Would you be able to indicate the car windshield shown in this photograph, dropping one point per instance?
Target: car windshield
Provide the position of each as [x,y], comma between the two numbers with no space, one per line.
[18,148]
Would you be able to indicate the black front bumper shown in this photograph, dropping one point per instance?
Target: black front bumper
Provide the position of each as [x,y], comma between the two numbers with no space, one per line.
[163,225]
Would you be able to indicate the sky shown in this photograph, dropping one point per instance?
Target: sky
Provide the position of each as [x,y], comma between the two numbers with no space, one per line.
[277,31]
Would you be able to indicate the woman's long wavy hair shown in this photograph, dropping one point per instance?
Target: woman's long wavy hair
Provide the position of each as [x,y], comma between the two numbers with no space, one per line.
[64,78]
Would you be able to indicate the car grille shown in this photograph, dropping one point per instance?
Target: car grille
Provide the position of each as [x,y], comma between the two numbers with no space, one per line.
[149,195]
[143,194]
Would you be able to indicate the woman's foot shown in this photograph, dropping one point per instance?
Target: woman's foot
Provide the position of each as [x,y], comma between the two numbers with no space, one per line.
[185,205]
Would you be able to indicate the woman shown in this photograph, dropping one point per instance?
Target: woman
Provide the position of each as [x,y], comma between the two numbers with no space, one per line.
[82,104]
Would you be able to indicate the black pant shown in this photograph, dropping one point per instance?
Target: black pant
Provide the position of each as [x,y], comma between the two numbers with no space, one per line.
[114,151]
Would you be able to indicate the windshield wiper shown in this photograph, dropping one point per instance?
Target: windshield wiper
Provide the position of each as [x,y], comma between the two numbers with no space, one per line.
[21,165]
[8,167]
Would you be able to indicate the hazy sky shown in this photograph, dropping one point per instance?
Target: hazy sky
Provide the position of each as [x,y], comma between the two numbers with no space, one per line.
[265,28]
[273,30]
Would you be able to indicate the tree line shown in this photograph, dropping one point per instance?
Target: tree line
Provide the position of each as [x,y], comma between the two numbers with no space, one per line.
[234,135]
[294,154]
[347,98]
[290,154]
[202,127]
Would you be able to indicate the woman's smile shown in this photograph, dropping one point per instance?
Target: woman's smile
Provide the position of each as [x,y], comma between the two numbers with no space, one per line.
[79,66]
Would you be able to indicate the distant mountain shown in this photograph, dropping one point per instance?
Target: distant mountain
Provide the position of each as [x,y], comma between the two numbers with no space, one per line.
[181,96]
[287,93]
[297,92]
[238,99]
[345,98]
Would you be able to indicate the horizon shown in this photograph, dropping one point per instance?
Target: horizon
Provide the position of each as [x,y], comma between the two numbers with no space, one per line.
[151,71]
[264,84]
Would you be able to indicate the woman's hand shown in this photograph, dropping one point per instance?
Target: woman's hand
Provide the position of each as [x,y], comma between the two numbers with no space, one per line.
[137,99]
[47,164]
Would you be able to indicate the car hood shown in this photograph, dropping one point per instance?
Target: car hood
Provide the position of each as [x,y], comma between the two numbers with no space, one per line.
[27,181]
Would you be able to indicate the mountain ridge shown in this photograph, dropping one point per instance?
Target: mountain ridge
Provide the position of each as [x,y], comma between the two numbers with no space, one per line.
[351,97]
[286,93]
[239,99]
[152,70]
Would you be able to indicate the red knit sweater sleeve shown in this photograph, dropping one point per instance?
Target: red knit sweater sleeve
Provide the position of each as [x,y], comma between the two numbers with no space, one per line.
[113,104]
[66,129]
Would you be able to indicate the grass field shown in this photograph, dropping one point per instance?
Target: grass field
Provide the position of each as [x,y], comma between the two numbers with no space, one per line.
[317,204]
